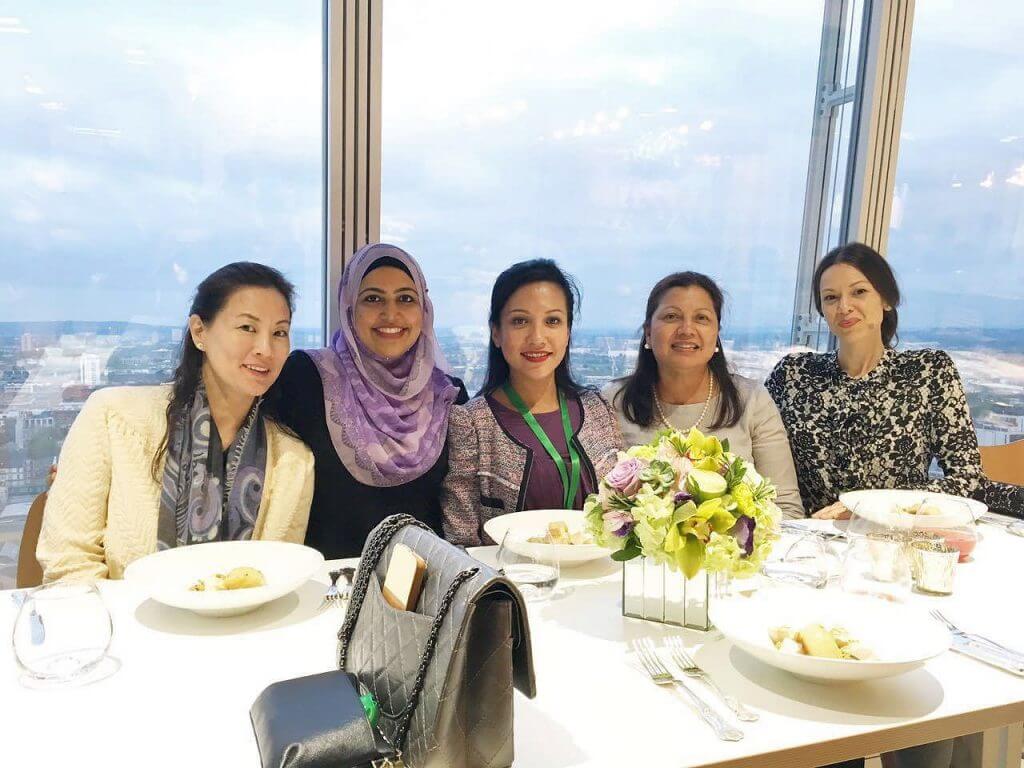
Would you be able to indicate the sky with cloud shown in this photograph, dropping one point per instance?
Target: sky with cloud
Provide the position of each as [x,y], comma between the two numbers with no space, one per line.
[145,143]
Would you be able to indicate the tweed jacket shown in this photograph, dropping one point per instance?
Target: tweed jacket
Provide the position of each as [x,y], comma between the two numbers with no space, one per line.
[488,470]
[102,510]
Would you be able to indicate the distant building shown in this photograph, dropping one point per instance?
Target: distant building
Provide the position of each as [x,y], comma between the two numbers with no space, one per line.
[89,370]
[27,342]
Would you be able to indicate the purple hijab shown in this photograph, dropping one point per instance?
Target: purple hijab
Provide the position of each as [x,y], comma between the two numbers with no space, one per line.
[388,419]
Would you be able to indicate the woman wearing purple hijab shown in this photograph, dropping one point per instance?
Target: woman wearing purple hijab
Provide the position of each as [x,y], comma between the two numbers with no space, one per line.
[374,405]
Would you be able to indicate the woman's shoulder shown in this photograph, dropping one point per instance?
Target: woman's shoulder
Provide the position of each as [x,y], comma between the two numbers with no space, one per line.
[612,389]
[300,368]
[131,402]
[925,364]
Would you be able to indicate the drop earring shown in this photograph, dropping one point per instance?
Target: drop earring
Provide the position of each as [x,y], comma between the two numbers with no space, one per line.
[646,345]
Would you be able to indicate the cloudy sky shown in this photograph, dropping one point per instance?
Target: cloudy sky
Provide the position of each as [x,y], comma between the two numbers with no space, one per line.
[145,143]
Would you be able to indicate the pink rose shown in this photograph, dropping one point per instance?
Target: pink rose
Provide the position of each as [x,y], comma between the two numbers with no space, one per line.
[625,476]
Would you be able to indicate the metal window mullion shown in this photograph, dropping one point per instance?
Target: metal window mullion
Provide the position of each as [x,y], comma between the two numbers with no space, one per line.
[353,102]
[823,127]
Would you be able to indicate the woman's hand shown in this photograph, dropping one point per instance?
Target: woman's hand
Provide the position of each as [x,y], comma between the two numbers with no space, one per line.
[837,511]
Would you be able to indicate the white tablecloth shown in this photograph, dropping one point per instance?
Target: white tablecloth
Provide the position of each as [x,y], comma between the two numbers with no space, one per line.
[182,694]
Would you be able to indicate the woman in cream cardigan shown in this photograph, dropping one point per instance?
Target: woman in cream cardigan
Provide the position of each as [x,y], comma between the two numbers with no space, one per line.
[200,459]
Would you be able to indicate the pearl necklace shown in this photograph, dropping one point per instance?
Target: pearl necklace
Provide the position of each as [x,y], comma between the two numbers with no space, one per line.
[703,413]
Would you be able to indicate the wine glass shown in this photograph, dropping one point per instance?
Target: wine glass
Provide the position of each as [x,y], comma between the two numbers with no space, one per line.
[527,565]
[877,565]
[63,630]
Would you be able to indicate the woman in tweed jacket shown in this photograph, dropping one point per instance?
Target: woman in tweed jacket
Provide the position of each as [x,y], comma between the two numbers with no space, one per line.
[498,461]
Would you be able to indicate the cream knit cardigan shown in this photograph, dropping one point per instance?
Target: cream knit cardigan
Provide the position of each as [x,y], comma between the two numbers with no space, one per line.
[102,510]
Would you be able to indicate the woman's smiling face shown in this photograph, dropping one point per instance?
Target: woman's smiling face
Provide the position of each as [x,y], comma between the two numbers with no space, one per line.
[534,332]
[388,315]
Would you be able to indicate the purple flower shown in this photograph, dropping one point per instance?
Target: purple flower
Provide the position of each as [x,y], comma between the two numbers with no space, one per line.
[625,476]
[618,522]
[682,497]
[743,531]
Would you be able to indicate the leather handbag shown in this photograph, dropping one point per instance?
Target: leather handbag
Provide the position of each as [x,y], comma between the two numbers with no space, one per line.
[316,722]
[443,675]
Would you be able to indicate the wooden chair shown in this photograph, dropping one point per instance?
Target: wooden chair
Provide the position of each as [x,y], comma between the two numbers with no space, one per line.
[1004,463]
[30,573]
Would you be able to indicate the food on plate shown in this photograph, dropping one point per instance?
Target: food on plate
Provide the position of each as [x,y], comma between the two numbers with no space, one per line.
[243,577]
[815,640]
[558,533]
[920,508]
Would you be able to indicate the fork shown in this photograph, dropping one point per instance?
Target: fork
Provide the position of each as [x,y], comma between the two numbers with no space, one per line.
[938,616]
[660,675]
[689,668]
[335,594]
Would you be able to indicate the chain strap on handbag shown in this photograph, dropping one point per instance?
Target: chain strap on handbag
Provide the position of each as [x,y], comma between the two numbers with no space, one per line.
[366,570]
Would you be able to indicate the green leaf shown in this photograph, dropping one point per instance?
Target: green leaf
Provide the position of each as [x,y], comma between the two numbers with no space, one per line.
[725,445]
[628,552]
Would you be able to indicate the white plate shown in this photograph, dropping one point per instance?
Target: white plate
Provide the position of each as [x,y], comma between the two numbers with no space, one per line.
[902,637]
[166,576]
[879,506]
[534,522]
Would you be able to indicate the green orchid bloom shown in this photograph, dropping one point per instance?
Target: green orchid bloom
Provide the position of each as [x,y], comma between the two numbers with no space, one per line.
[686,540]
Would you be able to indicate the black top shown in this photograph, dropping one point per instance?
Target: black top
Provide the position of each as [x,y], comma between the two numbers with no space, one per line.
[882,430]
[344,511]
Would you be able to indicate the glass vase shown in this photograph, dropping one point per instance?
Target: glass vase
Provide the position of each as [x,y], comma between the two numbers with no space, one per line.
[655,592]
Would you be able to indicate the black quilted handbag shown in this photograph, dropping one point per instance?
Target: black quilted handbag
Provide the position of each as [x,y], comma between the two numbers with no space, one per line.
[442,675]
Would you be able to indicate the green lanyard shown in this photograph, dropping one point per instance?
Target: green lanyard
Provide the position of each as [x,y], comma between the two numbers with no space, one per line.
[570,488]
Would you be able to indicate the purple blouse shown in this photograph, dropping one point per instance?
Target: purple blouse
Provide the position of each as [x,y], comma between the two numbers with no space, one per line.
[543,483]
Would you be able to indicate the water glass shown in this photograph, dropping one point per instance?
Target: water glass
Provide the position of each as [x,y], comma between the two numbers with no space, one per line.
[877,566]
[799,560]
[62,631]
[527,565]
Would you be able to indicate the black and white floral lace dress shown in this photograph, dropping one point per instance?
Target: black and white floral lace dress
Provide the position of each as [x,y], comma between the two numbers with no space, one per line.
[882,430]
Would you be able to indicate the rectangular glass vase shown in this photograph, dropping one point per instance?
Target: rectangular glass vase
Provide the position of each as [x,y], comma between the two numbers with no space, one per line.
[656,593]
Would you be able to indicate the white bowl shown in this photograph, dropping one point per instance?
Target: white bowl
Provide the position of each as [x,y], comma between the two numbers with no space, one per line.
[167,575]
[902,637]
[879,506]
[534,522]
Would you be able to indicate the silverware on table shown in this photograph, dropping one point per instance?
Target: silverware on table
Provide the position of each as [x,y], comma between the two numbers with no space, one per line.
[660,675]
[336,595]
[689,668]
[989,655]
[976,639]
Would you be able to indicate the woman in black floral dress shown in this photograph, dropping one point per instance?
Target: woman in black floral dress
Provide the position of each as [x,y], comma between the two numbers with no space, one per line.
[867,416]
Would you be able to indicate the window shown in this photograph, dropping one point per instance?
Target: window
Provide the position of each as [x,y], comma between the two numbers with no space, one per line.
[625,144]
[957,235]
[160,143]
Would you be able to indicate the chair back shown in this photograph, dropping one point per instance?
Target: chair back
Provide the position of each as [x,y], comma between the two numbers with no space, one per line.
[30,573]
[1004,463]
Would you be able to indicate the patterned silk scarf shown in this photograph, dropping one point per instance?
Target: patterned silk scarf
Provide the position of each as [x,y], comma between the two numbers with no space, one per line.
[206,496]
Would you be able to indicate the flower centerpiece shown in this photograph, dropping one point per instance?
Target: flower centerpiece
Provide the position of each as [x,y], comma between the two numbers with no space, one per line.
[686,504]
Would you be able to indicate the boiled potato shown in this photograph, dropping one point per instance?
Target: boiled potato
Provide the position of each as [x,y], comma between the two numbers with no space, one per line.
[243,578]
[817,642]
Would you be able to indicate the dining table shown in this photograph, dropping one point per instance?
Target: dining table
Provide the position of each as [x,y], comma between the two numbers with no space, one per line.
[177,687]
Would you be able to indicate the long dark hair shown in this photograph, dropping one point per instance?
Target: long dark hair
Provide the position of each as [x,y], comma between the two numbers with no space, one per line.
[638,392]
[510,281]
[210,297]
[876,269]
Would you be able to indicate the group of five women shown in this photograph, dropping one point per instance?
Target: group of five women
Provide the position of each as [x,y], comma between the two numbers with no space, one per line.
[320,445]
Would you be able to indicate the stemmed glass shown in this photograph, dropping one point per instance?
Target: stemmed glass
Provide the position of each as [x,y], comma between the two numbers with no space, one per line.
[527,566]
[63,630]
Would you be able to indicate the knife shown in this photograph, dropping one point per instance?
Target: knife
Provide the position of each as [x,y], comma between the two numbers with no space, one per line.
[1006,661]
